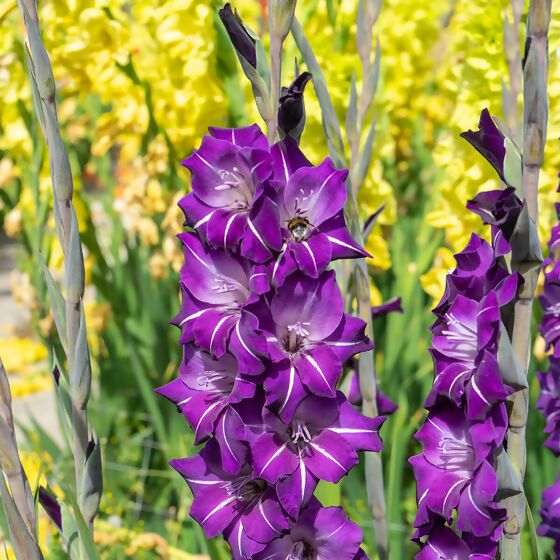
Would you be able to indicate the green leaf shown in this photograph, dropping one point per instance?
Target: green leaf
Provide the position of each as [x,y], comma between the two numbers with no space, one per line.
[533,531]
[513,166]
[331,126]
[352,116]
[58,305]
[23,543]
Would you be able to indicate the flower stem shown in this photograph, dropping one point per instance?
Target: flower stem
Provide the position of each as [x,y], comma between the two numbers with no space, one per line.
[44,97]
[535,115]
[275,79]
[366,364]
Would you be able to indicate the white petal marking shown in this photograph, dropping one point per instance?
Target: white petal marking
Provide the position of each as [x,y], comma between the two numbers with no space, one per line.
[276,453]
[350,431]
[193,316]
[216,329]
[474,505]
[477,391]
[317,368]
[225,436]
[229,222]
[203,220]
[341,243]
[257,234]
[326,454]
[306,245]
[218,508]
[303,476]
[206,412]
[243,342]
[325,182]
[460,481]
[290,387]
[205,482]
[261,511]
[277,263]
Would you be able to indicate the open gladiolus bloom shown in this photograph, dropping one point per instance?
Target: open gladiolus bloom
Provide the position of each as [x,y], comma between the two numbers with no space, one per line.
[265,338]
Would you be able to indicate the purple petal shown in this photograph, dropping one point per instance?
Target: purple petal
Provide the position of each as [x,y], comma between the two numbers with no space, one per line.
[51,506]
[295,490]
[266,521]
[288,158]
[284,389]
[244,136]
[343,245]
[329,456]
[318,193]
[273,458]
[387,307]
[349,338]
[312,256]
[319,369]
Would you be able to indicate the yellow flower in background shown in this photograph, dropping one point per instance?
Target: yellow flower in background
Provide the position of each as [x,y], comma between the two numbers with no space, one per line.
[433,282]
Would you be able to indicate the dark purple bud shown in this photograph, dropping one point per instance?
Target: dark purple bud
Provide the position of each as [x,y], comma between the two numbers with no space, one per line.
[56,374]
[499,208]
[387,307]
[291,113]
[489,141]
[51,506]
[242,42]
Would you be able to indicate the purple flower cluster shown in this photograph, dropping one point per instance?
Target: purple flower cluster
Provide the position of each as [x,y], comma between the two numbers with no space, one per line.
[467,418]
[265,338]
[549,399]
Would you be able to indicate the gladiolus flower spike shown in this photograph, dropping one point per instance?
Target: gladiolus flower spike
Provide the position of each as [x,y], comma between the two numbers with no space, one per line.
[549,400]
[457,484]
[265,338]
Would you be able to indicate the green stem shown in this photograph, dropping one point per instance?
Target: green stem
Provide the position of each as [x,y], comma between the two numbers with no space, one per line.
[535,115]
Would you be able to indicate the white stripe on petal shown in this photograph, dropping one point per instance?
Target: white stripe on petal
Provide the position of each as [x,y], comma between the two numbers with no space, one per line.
[193,316]
[274,456]
[325,182]
[477,391]
[350,431]
[303,475]
[205,482]
[306,245]
[203,220]
[318,369]
[451,490]
[469,491]
[206,412]
[277,263]
[218,508]
[243,342]
[290,387]
[261,511]
[228,225]
[257,234]
[326,454]
[341,243]
[216,329]
[225,436]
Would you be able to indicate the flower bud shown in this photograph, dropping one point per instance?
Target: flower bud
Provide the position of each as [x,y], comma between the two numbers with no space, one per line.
[281,15]
[242,42]
[291,112]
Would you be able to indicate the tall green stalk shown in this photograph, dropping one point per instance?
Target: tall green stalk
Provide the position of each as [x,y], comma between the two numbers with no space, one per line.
[360,160]
[535,116]
[68,311]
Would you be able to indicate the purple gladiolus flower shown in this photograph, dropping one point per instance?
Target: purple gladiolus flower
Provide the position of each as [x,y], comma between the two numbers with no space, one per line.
[489,141]
[444,544]
[309,338]
[549,404]
[465,356]
[318,534]
[222,499]
[310,203]
[550,514]
[265,339]
[454,471]
[229,205]
[217,288]
[320,442]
